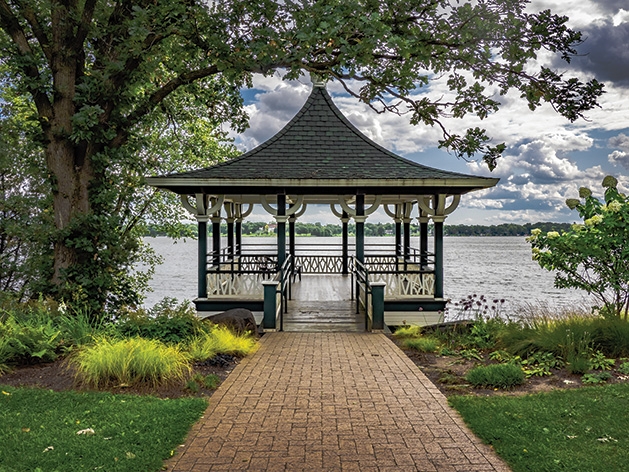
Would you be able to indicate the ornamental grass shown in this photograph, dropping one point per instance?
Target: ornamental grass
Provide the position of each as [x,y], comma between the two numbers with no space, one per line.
[220,340]
[110,362]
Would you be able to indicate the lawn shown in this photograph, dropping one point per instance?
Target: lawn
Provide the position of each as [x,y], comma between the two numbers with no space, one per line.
[68,431]
[575,430]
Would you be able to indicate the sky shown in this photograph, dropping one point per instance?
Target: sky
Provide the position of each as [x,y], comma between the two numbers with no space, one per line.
[547,158]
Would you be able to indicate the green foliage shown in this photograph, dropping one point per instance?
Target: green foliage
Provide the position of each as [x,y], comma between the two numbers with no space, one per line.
[167,321]
[576,430]
[578,364]
[146,88]
[220,340]
[611,336]
[596,378]
[130,361]
[496,376]
[27,340]
[210,381]
[623,368]
[421,344]
[131,433]
[598,361]
[471,354]
[408,331]
[540,364]
[592,256]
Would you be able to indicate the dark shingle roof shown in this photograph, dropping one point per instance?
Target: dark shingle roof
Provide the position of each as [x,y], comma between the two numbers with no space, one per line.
[320,143]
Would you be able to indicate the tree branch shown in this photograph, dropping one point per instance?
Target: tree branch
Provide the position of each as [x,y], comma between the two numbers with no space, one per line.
[10,24]
[38,31]
[156,98]
[86,19]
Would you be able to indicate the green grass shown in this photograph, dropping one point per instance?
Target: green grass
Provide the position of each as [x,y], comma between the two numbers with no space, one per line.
[572,430]
[131,433]
[130,361]
[422,344]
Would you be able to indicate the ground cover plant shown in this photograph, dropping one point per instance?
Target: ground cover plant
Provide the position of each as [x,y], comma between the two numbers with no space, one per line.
[552,348]
[77,431]
[573,430]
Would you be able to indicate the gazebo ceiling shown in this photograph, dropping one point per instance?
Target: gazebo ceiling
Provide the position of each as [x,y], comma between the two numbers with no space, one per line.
[319,154]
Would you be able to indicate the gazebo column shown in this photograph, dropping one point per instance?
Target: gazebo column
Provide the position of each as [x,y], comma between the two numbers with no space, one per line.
[229,210]
[238,236]
[398,230]
[239,217]
[438,221]
[281,219]
[202,256]
[345,256]
[360,228]
[216,239]
[201,211]
[407,230]
[435,206]
[291,235]
[423,239]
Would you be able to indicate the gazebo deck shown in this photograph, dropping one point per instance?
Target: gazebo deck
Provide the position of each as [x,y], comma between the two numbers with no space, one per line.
[324,303]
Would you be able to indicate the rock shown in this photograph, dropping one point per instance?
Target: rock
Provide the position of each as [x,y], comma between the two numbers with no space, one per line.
[239,320]
[458,326]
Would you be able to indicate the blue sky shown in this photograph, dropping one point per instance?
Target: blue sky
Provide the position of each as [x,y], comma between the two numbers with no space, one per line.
[547,158]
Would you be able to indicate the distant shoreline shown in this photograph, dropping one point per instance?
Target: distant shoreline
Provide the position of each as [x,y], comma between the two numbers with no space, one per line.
[263,230]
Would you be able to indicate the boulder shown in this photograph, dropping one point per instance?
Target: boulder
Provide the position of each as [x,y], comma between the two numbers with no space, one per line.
[239,320]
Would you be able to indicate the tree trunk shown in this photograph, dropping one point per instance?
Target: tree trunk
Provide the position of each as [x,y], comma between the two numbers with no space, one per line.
[71,173]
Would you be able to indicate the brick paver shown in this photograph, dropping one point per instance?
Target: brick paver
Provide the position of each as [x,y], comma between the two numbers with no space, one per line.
[332,402]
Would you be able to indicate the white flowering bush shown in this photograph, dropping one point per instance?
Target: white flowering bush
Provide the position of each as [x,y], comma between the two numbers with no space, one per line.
[593,256]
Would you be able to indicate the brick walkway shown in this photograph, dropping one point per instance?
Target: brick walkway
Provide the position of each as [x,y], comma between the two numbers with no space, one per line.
[331,401]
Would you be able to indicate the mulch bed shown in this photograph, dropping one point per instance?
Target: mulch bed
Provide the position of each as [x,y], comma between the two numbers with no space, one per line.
[60,376]
[447,373]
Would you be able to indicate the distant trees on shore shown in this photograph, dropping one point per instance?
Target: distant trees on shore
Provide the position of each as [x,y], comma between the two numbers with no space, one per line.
[258,228]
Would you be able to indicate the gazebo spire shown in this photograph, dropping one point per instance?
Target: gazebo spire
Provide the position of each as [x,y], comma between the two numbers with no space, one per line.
[317,80]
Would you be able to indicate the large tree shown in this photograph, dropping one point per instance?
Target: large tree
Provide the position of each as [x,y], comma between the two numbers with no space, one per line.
[104,76]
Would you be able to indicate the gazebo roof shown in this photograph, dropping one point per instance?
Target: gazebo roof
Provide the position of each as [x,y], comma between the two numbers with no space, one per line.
[319,152]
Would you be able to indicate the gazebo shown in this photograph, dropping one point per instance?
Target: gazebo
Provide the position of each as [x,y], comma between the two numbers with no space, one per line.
[319,157]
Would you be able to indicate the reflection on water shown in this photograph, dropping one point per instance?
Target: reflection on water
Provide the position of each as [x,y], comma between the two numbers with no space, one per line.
[497,267]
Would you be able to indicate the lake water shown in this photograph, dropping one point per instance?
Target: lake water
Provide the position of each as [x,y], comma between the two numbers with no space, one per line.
[497,267]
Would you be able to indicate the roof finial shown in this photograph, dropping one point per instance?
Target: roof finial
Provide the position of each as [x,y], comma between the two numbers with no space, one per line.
[317,80]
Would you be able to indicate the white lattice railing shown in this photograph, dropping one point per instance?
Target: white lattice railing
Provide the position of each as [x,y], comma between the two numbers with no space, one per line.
[408,285]
[381,263]
[221,284]
[319,264]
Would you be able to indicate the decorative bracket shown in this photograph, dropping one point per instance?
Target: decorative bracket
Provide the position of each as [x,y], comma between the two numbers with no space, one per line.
[352,211]
[438,211]
[289,211]
[201,211]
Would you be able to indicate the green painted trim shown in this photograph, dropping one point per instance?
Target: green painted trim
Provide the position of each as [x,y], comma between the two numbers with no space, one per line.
[415,305]
[205,304]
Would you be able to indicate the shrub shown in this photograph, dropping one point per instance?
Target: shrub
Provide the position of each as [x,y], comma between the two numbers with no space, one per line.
[167,321]
[496,376]
[422,344]
[220,340]
[130,361]
[592,256]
